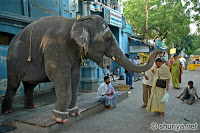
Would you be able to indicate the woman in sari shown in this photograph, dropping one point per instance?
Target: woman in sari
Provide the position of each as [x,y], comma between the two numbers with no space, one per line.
[176,71]
[161,71]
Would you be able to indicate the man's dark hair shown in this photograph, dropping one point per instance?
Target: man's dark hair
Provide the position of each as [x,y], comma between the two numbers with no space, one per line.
[106,77]
[127,55]
[161,52]
[175,55]
[190,82]
[159,60]
[108,67]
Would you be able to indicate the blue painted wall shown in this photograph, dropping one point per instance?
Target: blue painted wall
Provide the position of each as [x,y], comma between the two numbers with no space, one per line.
[35,9]
[3,66]
[125,43]
[12,6]
[15,10]
[41,8]
[10,29]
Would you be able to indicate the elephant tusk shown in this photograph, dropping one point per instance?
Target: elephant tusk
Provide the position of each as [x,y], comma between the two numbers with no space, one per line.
[113,58]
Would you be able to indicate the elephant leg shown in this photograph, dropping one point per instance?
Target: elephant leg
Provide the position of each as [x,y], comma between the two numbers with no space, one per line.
[28,93]
[62,83]
[13,84]
[73,110]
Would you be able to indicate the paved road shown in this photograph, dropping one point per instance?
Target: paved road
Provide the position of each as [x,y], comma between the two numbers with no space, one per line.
[128,117]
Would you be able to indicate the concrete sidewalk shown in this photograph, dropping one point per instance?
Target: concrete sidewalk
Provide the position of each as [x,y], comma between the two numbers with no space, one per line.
[40,120]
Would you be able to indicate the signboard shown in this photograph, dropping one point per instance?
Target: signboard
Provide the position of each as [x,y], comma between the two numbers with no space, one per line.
[73,6]
[107,15]
[115,18]
[128,29]
[112,17]
[97,8]
[159,43]
[139,49]
[173,51]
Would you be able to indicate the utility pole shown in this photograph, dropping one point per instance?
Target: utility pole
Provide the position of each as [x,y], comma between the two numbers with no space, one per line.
[146,20]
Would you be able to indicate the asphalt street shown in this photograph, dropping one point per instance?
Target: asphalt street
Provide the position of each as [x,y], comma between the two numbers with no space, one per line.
[128,117]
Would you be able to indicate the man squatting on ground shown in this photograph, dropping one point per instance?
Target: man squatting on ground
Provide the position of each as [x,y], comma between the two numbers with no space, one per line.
[189,93]
[106,93]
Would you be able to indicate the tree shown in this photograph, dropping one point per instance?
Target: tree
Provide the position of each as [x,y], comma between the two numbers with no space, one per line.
[190,43]
[197,52]
[168,23]
[166,19]
[194,11]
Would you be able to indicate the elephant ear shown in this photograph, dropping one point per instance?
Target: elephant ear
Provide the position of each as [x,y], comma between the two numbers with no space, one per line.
[80,33]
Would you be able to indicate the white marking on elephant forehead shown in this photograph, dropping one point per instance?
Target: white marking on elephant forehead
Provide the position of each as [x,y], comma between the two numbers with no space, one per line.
[84,34]
[104,25]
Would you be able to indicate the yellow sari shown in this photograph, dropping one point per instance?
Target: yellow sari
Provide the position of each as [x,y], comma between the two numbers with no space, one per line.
[157,93]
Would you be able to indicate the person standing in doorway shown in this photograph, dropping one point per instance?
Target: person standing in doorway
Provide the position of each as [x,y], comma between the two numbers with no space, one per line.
[129,74]
[135,73]
[136,76]
[116,71]
[107,72]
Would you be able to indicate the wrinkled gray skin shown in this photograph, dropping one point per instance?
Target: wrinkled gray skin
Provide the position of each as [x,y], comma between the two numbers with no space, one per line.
[56,58]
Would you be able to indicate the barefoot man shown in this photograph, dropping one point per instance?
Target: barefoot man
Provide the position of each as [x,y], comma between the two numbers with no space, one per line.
[107,94]
[189,93]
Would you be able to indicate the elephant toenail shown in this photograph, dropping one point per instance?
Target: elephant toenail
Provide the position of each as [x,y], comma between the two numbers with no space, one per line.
[73,114]
[65,121]
[58,120]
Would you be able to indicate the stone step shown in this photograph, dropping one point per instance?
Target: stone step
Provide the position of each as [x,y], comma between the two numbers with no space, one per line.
[6,128]
[40,120]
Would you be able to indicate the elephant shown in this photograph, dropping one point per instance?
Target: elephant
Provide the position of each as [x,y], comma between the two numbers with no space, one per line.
[55,47]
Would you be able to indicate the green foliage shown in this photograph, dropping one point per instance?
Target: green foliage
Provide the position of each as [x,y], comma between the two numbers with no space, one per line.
[194,8]
[197,52]
[168,23]
[190,43]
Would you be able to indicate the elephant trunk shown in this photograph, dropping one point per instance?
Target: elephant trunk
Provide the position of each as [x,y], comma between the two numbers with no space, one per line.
[122,60]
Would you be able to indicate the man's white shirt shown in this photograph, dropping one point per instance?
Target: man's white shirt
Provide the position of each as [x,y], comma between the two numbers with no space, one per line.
[150,76]
[182,60]
[102,89]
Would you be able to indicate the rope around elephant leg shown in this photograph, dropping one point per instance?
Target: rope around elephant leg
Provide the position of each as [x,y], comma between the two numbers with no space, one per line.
[29,57]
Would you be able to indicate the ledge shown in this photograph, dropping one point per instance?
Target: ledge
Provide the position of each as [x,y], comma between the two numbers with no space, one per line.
[40,120]
[16,17]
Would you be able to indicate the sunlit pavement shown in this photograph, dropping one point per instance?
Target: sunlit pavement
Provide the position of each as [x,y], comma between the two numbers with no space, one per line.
[128,117]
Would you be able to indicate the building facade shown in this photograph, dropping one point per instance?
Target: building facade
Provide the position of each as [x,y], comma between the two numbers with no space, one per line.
[17,14]
[14,16]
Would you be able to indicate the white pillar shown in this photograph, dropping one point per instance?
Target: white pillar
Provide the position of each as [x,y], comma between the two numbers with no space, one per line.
[86,8]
